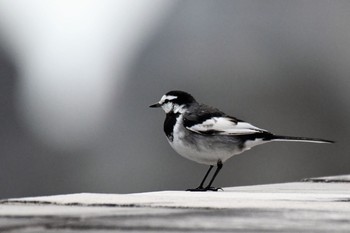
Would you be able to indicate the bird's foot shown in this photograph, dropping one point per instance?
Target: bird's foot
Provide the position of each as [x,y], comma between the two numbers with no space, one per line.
[201,189]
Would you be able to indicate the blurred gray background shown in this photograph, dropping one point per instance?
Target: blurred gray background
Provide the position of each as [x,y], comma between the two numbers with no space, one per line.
[75,90]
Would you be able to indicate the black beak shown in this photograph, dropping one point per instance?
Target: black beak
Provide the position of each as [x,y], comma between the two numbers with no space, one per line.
[156,105]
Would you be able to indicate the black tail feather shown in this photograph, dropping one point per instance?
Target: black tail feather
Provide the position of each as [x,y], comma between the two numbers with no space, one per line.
[300,139]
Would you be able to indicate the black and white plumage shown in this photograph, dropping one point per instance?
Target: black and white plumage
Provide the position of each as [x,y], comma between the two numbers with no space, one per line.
[208,136]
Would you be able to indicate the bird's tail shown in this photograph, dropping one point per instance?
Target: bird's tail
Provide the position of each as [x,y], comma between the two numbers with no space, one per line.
[299,139]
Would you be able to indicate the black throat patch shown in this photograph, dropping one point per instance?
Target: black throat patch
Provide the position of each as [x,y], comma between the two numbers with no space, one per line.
[169,123]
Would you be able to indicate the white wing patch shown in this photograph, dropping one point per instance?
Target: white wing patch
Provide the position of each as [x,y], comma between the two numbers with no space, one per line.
[224,126]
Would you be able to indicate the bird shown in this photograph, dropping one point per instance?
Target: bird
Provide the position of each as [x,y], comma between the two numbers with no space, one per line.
[206,135]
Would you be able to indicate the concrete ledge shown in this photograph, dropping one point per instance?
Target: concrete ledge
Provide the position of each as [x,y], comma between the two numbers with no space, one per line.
[290,207]
[288,195]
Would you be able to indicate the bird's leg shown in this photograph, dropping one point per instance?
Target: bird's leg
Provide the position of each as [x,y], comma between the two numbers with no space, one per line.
[219,166]
[200,187]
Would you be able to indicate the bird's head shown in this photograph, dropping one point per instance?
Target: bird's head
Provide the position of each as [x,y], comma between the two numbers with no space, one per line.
[175,101]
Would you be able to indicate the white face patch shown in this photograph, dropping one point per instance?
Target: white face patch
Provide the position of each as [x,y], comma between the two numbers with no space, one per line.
[166,103]
[168,107]
[167,97]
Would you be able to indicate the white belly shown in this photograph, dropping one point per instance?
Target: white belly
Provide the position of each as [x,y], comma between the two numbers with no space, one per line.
[203,156]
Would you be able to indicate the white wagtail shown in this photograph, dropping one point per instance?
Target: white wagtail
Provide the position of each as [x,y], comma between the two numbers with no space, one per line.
[208,136]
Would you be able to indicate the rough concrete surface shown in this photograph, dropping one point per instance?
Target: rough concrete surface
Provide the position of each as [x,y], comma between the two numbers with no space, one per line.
[290,207]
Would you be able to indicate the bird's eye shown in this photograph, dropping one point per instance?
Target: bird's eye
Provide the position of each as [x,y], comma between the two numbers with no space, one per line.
[166,101]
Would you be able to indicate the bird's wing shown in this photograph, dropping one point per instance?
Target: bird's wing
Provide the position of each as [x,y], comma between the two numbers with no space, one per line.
[210,121]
